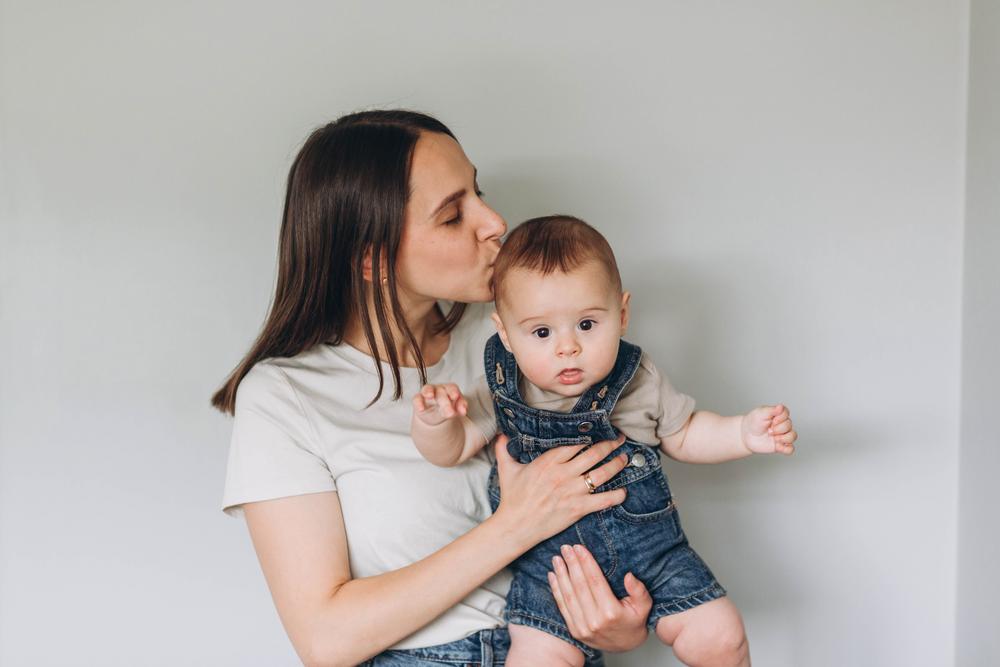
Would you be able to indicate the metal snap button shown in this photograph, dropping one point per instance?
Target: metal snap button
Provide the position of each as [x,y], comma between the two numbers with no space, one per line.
[638,460]
[508,412]
[585,426]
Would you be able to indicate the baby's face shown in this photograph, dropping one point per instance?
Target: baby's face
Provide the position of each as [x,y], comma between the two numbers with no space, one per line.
[563,328]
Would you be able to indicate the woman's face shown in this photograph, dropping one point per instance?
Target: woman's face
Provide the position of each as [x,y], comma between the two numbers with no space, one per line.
[450,236]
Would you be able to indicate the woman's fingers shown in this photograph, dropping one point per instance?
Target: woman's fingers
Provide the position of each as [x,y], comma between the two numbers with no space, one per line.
[584,583]
[571,600]
[571,621]
[603,500]
[595,453]
[503,457]
[560,602]
[600,475]
[638,598]
[607,606]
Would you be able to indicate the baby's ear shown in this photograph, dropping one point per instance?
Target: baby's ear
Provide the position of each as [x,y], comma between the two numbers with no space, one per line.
[626,297]
[498,323]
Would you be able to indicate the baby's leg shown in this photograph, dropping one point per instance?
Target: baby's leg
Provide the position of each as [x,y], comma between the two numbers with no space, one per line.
[709,635]
[530,647]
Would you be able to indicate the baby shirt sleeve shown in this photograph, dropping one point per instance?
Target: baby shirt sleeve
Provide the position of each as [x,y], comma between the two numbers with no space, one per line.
[673,407]
[272,453]
[481,407]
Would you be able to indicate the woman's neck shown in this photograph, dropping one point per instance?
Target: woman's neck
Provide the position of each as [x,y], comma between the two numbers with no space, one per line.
[422,318]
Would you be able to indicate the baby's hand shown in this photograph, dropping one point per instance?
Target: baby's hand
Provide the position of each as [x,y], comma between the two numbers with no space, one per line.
[437,403]
[768,430]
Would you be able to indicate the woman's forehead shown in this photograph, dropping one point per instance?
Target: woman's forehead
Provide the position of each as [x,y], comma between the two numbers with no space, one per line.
[439,168]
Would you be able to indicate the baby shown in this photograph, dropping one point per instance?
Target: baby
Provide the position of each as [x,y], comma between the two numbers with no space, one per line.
[558,373]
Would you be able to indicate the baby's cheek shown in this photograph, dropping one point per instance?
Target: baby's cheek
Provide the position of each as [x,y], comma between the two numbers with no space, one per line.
[536,370]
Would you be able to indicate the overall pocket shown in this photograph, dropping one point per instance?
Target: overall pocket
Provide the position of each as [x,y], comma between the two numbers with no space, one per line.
[649,499]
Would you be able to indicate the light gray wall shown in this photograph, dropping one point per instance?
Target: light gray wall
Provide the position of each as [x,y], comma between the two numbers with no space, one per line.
[977,642]
[782,181]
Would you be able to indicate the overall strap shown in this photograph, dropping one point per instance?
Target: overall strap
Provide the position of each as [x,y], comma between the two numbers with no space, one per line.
[604,395]
[501,369]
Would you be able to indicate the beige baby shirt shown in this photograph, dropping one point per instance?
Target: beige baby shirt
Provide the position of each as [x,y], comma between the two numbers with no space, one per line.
[648,409]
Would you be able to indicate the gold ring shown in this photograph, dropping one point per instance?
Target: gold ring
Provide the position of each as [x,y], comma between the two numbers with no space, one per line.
[590,483]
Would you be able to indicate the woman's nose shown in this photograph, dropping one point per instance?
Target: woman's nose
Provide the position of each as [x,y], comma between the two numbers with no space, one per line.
[492,225]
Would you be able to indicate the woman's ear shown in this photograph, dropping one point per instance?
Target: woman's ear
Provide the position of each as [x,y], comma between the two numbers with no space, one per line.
[366,265]
[626,297]
[498,323]
[366,268]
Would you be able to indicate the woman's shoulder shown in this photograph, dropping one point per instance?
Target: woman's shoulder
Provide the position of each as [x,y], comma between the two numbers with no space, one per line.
[264,388]
[277,381]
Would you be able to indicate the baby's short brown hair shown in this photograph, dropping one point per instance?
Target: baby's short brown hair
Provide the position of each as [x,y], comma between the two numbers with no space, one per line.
[550,243]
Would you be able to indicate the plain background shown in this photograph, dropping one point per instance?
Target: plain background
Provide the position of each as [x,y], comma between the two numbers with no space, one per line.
[786,187]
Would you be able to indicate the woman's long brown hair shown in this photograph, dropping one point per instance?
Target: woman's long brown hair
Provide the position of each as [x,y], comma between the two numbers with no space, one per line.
[346,193]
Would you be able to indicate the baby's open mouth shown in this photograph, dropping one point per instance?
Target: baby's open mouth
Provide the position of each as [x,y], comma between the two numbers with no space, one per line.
[571,376]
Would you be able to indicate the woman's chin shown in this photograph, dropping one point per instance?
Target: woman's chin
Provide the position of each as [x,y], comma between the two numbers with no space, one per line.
[478,296]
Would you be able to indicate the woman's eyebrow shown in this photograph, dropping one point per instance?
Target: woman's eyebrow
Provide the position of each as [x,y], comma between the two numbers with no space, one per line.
[447,200]
[458,194]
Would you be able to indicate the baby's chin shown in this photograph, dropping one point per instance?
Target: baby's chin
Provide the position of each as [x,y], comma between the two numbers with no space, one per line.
[565,390]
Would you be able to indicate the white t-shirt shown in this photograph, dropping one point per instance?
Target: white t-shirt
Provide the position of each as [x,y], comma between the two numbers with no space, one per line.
[301,426]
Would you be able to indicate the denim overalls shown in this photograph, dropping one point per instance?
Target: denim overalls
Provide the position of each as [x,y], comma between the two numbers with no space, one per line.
[642,535]
[486,648]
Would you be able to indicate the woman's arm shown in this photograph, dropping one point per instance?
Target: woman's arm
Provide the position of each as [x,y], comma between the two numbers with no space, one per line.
[333,619]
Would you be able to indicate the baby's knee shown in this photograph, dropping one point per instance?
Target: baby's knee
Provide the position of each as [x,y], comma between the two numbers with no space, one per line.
[723,646]
[708,636]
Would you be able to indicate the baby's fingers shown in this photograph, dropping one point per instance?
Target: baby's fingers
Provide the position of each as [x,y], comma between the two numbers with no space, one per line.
[458,401]
[784,443]
[428,392]
[780,429]
[444,401]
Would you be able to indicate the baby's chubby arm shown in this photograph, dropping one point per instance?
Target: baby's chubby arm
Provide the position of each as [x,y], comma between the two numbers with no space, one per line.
[440,427]
[711,438]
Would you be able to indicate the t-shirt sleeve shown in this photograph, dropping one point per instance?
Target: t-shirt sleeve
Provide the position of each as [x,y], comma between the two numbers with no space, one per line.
[481,407]
[272,453]
[673,407]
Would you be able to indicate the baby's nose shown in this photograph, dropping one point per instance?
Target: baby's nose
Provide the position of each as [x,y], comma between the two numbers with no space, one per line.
[568,346]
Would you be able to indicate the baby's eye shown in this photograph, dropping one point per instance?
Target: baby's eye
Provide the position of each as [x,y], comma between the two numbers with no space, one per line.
[541,332]
[587,325]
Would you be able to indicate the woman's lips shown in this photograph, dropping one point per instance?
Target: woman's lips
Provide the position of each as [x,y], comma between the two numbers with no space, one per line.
[571,376]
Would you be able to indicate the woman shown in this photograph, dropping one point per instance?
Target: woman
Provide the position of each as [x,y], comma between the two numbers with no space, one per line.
[364,545]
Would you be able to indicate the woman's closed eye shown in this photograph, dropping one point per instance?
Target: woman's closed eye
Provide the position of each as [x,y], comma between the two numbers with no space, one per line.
[457,218]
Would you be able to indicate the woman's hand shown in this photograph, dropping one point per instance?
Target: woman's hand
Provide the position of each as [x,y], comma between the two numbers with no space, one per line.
[592,612]
[550,494]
